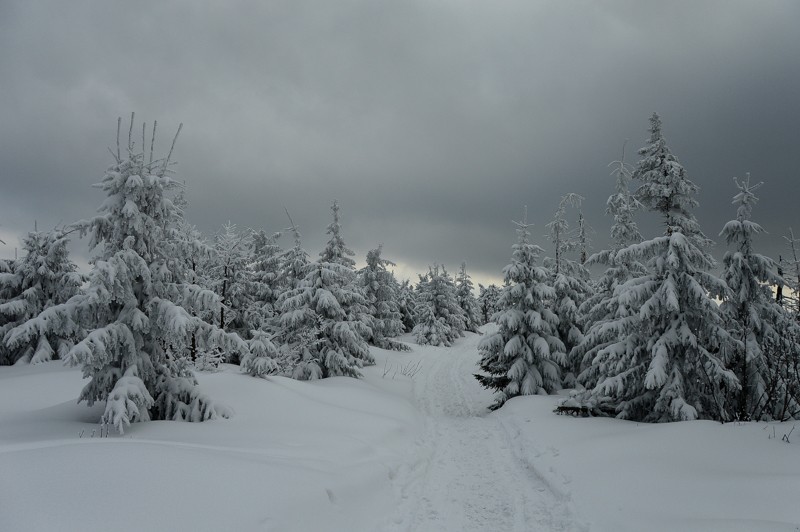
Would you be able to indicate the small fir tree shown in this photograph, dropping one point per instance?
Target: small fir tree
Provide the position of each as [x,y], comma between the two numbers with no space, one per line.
[336,251]
[260,360]
[380,293]
[466,300]
[487,301]
[406,304]
[265,269]
[230,278]
[324,339]
[293,261]
[523,356]
[443,320]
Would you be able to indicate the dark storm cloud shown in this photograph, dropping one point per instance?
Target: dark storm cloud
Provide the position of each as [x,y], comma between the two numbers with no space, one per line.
[432,122]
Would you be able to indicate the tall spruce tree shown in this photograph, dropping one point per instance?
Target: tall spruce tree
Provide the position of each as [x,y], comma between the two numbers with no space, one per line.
[667,363]
[523,356]
[605,305]
[134,304]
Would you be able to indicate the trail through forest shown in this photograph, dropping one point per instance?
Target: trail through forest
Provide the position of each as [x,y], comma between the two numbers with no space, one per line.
[470,474]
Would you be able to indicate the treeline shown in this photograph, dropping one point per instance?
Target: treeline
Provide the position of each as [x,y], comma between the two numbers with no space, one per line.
[656,337]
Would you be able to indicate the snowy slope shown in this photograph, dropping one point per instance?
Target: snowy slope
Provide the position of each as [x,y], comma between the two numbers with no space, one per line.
[385,453]
[297,456]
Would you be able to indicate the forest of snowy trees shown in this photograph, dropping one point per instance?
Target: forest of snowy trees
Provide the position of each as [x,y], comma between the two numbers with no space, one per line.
[658,336]
[661,334]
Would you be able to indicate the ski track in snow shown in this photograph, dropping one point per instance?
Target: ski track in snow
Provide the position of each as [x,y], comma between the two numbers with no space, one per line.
[470,474]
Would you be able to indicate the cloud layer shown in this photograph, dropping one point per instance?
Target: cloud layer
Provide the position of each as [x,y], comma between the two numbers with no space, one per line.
[432,122]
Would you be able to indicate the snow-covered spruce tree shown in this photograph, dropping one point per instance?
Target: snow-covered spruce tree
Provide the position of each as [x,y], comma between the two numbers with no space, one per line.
[583,241]
[756,320]
[229,275]
[194,254]
[487,301]
[265,266]
[293,261]
[261,358]
[336,251]
[406,304]
[466,300]
[789,291]
[135,303]
[44,277]
[380,293]
[430,329]
[9,290]
[667,363]
[440,319]
[604,304]
[324,339]
[569,282]
[523,356]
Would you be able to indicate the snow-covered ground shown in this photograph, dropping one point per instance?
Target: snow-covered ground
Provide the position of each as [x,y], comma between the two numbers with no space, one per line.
[389,452]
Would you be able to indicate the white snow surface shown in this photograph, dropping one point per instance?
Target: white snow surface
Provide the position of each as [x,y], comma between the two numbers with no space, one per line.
[389,452]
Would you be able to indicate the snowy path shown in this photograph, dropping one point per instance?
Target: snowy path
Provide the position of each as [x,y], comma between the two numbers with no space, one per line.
[468,476]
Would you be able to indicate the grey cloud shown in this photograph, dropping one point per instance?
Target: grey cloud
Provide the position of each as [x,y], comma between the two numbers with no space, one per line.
[432,123]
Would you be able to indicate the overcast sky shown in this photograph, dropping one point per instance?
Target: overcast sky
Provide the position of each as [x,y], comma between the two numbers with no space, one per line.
[432,122]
